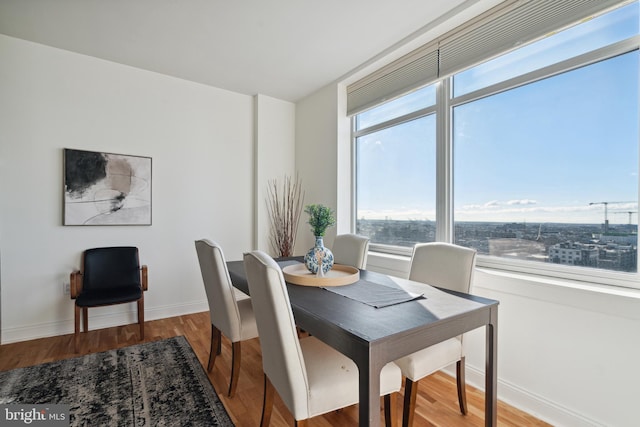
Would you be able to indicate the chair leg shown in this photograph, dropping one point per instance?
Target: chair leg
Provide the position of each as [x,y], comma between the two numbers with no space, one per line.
[409,407]
[267,404]
[390,410]
[141,317]
[462,390]
[216,337]
[236,356]
[76,328]
[85,318]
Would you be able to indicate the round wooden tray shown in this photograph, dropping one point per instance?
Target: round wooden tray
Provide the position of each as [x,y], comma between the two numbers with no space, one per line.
[339,275]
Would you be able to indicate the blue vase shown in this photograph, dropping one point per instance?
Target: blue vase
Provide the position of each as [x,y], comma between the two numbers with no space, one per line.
[319,254]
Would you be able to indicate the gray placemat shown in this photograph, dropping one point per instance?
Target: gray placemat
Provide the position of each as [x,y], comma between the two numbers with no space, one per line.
[374,294]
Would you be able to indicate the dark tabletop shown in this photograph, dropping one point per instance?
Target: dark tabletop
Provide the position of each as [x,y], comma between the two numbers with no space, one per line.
[361,320]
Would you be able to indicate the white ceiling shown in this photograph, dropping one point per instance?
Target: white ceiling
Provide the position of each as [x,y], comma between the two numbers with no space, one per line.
[286,49]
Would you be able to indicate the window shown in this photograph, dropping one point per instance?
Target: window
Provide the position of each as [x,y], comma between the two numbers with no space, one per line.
[518,155]
[543,143]
[396,171]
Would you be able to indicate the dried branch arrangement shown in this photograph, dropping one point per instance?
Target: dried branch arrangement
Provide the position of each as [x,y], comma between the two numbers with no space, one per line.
[285,206]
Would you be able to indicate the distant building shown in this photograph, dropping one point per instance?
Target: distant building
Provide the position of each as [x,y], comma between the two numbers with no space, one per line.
[620,238]
[610,256]
[573,253]
[617,257]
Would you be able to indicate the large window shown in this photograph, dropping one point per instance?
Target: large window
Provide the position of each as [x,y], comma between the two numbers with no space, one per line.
[396,171]
[543,144]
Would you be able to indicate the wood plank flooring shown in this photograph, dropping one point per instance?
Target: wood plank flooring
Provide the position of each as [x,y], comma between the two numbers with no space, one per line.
[437,403]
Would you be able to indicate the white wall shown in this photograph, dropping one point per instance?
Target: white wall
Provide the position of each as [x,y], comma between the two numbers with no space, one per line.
[201,142]
[567,354]
[316,153]
[274,157]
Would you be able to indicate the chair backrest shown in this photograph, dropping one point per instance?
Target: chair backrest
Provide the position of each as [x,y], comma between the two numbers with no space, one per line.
[107,268]
[444,265]
[223,307]
[351,249]
[282,359]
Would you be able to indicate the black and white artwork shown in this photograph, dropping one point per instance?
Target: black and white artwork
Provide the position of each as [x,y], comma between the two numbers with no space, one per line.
[106,188]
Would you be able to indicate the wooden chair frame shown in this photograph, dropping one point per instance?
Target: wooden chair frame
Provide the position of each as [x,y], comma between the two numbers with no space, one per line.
[75,289]
[236,358]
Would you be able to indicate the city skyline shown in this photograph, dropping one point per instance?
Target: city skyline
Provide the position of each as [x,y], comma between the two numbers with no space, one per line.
[615,216]
[583,245]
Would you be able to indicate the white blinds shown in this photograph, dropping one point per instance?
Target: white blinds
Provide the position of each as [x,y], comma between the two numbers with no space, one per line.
[528,21]
[406,73]
[504,27]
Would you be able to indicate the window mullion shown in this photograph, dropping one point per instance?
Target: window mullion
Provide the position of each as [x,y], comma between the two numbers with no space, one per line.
[444,172]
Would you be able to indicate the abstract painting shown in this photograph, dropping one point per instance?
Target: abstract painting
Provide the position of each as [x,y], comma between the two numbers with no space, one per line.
[106,189]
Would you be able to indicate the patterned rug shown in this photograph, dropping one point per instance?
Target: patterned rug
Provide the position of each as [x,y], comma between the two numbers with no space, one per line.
[160,383]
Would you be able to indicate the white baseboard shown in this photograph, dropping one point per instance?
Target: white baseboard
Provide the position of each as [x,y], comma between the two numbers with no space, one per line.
[528,402]
[98,321]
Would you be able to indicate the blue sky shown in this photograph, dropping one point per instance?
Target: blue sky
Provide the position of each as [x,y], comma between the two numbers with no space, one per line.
[538,153]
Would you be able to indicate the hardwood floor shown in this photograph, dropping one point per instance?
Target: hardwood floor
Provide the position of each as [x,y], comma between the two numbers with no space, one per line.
[437,403]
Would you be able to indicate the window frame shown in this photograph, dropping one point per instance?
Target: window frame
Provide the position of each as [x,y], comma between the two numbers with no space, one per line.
[445,102]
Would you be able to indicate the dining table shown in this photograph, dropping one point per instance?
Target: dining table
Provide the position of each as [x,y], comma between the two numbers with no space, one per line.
[380,318]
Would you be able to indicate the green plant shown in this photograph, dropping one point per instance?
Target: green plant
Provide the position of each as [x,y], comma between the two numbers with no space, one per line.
[320,218]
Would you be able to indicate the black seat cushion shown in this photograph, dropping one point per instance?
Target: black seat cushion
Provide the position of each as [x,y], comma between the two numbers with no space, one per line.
[116,295]
[111,276]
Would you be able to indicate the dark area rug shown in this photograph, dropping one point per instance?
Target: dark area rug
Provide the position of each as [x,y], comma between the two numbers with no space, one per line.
[160,383]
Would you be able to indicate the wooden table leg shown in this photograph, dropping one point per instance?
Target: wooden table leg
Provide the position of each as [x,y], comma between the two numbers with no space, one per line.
[369,389]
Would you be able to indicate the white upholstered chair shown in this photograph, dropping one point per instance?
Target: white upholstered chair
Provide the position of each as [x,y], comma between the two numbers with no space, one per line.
[447,266]
[311,377]
[351,249]
[230,309]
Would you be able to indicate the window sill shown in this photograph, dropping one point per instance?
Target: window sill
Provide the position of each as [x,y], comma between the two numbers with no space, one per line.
[392,264]
[567,283]
[557,293]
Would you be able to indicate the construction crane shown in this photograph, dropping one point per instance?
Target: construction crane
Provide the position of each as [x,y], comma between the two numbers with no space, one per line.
[606,219]
[626,212]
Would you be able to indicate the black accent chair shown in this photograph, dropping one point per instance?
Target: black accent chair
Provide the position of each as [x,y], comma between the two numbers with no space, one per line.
[111,275]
